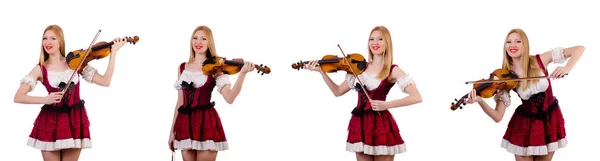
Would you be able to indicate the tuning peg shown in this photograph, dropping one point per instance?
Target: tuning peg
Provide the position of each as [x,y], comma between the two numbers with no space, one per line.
[455,99]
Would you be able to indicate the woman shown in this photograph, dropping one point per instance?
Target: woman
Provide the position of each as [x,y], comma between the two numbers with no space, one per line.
[536,129]
[197,128]
[373,133]
[61,129]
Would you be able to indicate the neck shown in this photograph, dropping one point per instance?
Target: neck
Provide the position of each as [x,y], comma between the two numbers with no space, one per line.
[54,58]
[377,60]
[199,57]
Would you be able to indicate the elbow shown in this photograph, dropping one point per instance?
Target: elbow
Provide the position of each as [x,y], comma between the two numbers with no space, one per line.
[229,101]
[581,48]
[418,99]
[497,119]
[336,94]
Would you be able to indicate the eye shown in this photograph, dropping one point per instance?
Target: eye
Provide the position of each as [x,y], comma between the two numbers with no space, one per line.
[381,39]
[519,41]
[508,42]
[371,39]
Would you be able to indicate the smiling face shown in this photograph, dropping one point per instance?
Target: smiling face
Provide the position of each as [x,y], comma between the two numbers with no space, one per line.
[50,42]
[199,42]
[514,45]
[376,43]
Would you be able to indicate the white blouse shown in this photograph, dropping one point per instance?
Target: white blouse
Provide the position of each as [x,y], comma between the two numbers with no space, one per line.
[541,86]
[371,81]
[54,78]
[199,79]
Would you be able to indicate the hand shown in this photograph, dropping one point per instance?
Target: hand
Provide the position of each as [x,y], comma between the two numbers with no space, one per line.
[378,105]
[312,66]
[53,97]
[248,67]
[559,72]
[171,139]
[117,44]
[473,97]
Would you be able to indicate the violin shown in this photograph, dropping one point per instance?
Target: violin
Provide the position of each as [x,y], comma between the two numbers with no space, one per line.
[215,64]
[487,88]
[332,63]
[98,51]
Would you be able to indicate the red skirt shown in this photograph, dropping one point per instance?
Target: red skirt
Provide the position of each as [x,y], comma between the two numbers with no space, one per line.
[374,133]
[535,134]
[57,128]
[201,129]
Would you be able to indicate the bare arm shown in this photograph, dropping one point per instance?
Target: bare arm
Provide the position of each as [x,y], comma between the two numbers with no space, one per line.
[28,83]
[104,80]
[556,56]
[408,86]
[224,87]
[502,99]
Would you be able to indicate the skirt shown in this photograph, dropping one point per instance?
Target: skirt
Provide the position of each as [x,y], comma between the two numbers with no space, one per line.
[57,128]
[199,129]
[530,134]
[374,133]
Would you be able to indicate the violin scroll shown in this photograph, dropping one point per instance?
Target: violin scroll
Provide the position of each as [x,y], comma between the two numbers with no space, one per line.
[501,79]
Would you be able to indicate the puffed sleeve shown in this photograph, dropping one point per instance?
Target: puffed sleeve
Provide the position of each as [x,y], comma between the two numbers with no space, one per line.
[351,80]
[221,81]
[177,85]
[558,55]
[29,80]
[88,73]
[503,96]
[404,81]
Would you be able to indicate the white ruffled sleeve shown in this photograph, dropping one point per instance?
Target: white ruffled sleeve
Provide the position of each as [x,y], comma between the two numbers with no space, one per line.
[88,73]
[29,80]
[503,96]
[558,55]
[404,81]
[221,81]
[351,81]
[177,85]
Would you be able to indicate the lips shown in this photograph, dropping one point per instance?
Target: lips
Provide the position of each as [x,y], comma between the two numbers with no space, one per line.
[48,47]
[513,50]
[198,46]
[375,47]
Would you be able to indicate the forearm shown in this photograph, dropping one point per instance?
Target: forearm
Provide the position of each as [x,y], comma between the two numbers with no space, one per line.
[110,69]
[26,99]
[237,87]
[175,112]
[573,59]
[492,113]
[332,86]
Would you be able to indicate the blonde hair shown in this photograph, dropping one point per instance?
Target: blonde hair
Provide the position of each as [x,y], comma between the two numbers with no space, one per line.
[526,60]
[211,43]
[387,51]
[61,42]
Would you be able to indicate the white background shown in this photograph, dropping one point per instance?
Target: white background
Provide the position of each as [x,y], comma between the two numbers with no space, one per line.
[292,115]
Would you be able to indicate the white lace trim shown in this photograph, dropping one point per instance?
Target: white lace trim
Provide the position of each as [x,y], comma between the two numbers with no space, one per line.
[503,96]
[29,80]
[375,150]
[59,144]
[405,81]
[199,79]
[200,145]
[369,80]
[532,89]
[558,55]
[88,73]
[54,78]
[533,150]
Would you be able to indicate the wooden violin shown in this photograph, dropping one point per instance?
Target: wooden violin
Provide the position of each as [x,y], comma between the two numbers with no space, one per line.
[487,88]
[215,64]
[98,51]
[332,63]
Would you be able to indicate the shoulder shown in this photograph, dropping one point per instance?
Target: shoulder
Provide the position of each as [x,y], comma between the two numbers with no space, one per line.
[396,72]
[36,71]
[181,68]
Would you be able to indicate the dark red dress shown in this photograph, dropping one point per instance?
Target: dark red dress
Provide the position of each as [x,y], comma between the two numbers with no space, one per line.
[537,126]
[372,132]
[198,125]
[61,126]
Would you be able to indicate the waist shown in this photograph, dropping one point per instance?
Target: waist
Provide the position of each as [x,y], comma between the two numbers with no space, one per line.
[538,112]
[63,108]
[189,109]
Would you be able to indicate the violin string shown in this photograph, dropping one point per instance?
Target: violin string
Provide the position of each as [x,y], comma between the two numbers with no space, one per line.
[490,81]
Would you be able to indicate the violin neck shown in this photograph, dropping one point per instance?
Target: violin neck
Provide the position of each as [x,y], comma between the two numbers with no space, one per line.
[102,46]
[326,61]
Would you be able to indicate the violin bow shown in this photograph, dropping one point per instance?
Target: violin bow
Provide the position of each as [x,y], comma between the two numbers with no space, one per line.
[80,63]
[354,73]
[490,81]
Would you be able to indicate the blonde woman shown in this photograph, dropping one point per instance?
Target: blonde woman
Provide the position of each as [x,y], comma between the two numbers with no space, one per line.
[372,132]
[537,128]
